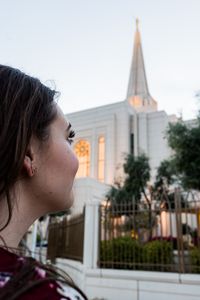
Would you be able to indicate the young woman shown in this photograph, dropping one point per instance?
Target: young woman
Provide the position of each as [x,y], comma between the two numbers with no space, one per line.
[37,170]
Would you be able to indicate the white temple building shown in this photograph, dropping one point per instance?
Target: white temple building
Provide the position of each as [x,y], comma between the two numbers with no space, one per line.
[104,134]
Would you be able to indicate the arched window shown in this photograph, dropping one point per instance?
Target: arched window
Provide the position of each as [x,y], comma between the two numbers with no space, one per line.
[101,159]
[82,150]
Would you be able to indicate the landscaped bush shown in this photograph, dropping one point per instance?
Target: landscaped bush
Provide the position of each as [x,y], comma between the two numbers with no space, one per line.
[194,256]
[158,255]
[170,239]
[120,253]
[126,253]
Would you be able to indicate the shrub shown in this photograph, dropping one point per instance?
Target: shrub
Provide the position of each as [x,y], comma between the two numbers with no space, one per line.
[158,255]
[126,253]
[194,256]
[120,253]
[170,239]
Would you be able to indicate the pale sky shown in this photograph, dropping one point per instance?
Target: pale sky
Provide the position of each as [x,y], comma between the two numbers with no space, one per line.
[85,48]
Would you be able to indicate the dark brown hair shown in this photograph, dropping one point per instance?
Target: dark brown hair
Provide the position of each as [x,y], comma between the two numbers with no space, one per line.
[27,107]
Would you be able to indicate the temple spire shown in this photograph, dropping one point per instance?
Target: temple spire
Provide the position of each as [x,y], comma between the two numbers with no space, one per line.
[137,23]
[138,93]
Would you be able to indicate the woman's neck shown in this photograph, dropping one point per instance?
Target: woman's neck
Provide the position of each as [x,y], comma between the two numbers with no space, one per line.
[22,217]
[13,233]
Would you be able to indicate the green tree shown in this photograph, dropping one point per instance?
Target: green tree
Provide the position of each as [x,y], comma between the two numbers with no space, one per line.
[124,197]
[185,141]
[166,174]
[163,190]
[137,174]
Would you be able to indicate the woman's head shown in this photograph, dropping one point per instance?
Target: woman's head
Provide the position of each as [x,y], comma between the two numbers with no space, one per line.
[30,140]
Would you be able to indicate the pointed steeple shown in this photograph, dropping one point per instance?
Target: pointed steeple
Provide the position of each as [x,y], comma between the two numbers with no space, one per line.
[138,93]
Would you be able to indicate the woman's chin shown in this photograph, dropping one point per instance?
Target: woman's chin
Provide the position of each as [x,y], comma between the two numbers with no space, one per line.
[62,204]
[68,202]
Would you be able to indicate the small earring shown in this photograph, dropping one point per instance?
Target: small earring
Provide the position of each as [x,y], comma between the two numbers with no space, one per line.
[33,170]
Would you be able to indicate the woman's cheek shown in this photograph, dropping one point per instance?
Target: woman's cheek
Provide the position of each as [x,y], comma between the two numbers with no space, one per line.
[69,161]
[75,162]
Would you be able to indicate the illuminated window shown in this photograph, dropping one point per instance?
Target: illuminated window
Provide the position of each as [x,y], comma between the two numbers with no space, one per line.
[82,150]
[101,159]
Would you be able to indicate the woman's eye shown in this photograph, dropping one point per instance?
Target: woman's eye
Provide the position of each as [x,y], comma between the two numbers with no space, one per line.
[71,136]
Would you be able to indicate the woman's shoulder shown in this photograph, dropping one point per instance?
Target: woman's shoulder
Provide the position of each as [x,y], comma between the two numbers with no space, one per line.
[55,290]
[59,287]
[40,281]
[42,289]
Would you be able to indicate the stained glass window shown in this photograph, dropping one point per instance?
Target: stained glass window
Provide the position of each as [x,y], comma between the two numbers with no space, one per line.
[82,150]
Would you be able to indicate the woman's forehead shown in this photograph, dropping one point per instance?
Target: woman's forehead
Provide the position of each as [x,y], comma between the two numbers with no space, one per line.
[62,119]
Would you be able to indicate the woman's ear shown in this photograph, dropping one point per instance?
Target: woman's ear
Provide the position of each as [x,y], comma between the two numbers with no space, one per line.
[28,164]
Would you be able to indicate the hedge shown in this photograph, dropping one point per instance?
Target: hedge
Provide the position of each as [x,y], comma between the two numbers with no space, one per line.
[127,253]
[194,256]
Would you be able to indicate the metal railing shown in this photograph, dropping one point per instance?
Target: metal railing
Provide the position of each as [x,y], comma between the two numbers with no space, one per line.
[164,237]
[66,238]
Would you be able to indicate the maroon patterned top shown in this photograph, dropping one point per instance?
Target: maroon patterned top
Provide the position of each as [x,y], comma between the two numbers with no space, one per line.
[10,265]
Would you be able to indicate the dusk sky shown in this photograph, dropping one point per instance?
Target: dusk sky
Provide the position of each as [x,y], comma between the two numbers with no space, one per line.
[84,48]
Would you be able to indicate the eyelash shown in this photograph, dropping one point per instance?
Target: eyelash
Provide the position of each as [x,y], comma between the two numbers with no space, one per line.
[71,136]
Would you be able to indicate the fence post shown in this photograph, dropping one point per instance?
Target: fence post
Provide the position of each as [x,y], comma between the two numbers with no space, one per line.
[91,228]
[179,231]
